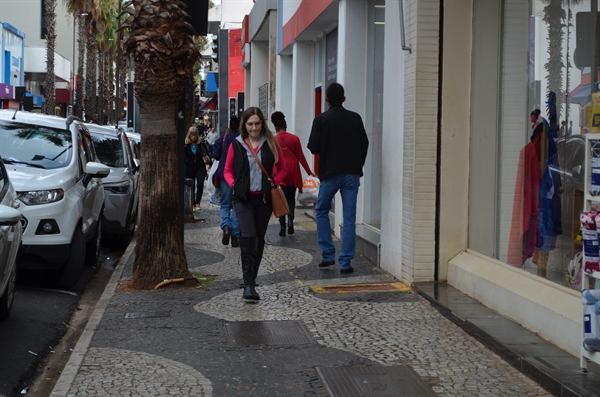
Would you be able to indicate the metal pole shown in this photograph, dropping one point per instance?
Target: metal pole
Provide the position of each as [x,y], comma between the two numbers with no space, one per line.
[119,100]
[402,38]
[73,69]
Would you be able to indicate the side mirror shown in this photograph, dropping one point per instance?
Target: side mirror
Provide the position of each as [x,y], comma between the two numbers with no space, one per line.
[95,170]
[9,216]
[137,163]
[576,171]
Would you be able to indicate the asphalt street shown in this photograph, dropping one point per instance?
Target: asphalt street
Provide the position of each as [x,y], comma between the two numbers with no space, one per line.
[39,320]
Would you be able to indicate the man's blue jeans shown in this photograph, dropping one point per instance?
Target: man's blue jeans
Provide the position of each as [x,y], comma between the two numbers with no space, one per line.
[347,185]
[228,217]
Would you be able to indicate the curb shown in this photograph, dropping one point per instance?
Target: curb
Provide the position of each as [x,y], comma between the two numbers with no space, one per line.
[64,383]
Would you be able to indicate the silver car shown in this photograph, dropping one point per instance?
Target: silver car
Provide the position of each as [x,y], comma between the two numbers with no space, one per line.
[121,186]
[135,140]
[10,242]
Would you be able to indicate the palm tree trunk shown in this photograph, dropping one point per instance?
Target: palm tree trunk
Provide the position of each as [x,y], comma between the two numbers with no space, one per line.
[159,219]
[554,16]
[91,92]
[110,92]
[81,40]
[49,95]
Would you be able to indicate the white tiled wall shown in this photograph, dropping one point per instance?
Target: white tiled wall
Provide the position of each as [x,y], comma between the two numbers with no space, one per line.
[420,140]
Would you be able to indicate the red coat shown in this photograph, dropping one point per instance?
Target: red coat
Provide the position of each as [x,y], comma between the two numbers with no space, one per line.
[526,207]
[293,155]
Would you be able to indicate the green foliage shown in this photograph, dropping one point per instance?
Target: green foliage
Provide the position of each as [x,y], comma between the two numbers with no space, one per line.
[204,280]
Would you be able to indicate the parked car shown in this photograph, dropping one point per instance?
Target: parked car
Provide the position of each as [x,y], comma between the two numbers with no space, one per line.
[54,168]
[121,186]
[135,140]
[10,242]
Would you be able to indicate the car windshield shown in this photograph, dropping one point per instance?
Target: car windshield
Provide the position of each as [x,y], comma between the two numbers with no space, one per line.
[37,146]
[109,150]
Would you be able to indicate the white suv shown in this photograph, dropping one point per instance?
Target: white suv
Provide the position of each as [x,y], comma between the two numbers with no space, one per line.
[53,167]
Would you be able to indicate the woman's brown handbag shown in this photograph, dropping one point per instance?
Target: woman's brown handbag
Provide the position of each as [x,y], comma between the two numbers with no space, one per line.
[278,200]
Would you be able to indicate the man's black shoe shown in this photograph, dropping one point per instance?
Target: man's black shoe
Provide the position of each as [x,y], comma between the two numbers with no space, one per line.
[326,263]
[226,235]
[347,270]
[235,242]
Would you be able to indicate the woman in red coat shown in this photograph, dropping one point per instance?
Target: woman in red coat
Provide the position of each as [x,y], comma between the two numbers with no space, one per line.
[293,155]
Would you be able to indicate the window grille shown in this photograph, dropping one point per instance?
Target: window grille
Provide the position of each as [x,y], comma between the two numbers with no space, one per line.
[263,92]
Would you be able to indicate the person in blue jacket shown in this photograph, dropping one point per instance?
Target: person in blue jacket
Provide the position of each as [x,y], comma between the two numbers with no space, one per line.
[229,222]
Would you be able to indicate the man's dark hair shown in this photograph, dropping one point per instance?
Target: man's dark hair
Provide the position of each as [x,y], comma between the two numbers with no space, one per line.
[335,94]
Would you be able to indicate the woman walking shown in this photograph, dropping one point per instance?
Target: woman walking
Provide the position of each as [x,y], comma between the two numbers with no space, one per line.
[229,223]
[251,189]
[293,155]
[195,167]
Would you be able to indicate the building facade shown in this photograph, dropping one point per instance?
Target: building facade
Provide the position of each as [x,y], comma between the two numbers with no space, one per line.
[27,16]
[446,91]
[12,53]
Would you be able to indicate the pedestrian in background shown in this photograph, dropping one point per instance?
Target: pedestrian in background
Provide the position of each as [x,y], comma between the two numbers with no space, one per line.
[211,137]
[338,136]
[251,189]
[195,167]
[570,127]
[294,157]
[229,222]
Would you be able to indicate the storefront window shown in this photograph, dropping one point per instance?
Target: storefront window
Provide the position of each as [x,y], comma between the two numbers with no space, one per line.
[374,117]
[545,85]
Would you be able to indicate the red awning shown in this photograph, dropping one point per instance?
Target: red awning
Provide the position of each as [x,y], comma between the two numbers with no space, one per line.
[210,104]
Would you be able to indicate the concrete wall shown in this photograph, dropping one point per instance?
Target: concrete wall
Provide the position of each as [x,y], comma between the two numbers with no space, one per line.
[393,144]
[455,125]
[352,74]
[259,54]
[26,15]
[544,307]
[302,93]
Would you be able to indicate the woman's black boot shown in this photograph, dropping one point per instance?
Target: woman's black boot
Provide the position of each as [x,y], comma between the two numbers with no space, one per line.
[260,248]
[282,230]
[290,226]
[248,251]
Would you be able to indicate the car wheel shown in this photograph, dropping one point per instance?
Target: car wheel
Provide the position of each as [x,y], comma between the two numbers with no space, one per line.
[92,249]
[123,240]
[6,300]
[73,267]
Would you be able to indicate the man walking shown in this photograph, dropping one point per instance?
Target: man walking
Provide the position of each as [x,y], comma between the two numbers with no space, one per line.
[338,136]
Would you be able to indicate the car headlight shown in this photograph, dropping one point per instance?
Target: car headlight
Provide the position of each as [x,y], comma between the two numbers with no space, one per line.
[121,188]
[37,197]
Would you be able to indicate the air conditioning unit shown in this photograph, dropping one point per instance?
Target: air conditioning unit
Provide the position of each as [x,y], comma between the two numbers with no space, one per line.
[245,55]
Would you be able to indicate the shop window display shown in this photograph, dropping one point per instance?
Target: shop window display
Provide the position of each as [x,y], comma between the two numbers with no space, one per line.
[545,114]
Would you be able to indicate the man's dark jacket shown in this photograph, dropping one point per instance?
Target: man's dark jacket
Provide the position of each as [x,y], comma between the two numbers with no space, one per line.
[219,151]
[339,136]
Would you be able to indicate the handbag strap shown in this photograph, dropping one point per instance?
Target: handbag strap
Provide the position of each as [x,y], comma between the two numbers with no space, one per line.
[260,164]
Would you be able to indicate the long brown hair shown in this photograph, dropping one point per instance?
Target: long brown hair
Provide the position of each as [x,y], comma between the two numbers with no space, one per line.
[191,130]
[254,111]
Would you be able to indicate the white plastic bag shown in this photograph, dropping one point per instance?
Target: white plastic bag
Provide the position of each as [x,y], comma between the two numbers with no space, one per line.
[310,191]
[210,187]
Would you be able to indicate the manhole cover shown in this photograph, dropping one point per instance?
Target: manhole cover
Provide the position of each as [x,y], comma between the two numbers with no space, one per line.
[361,381]
[147,314]
[354,288]
[268,333]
